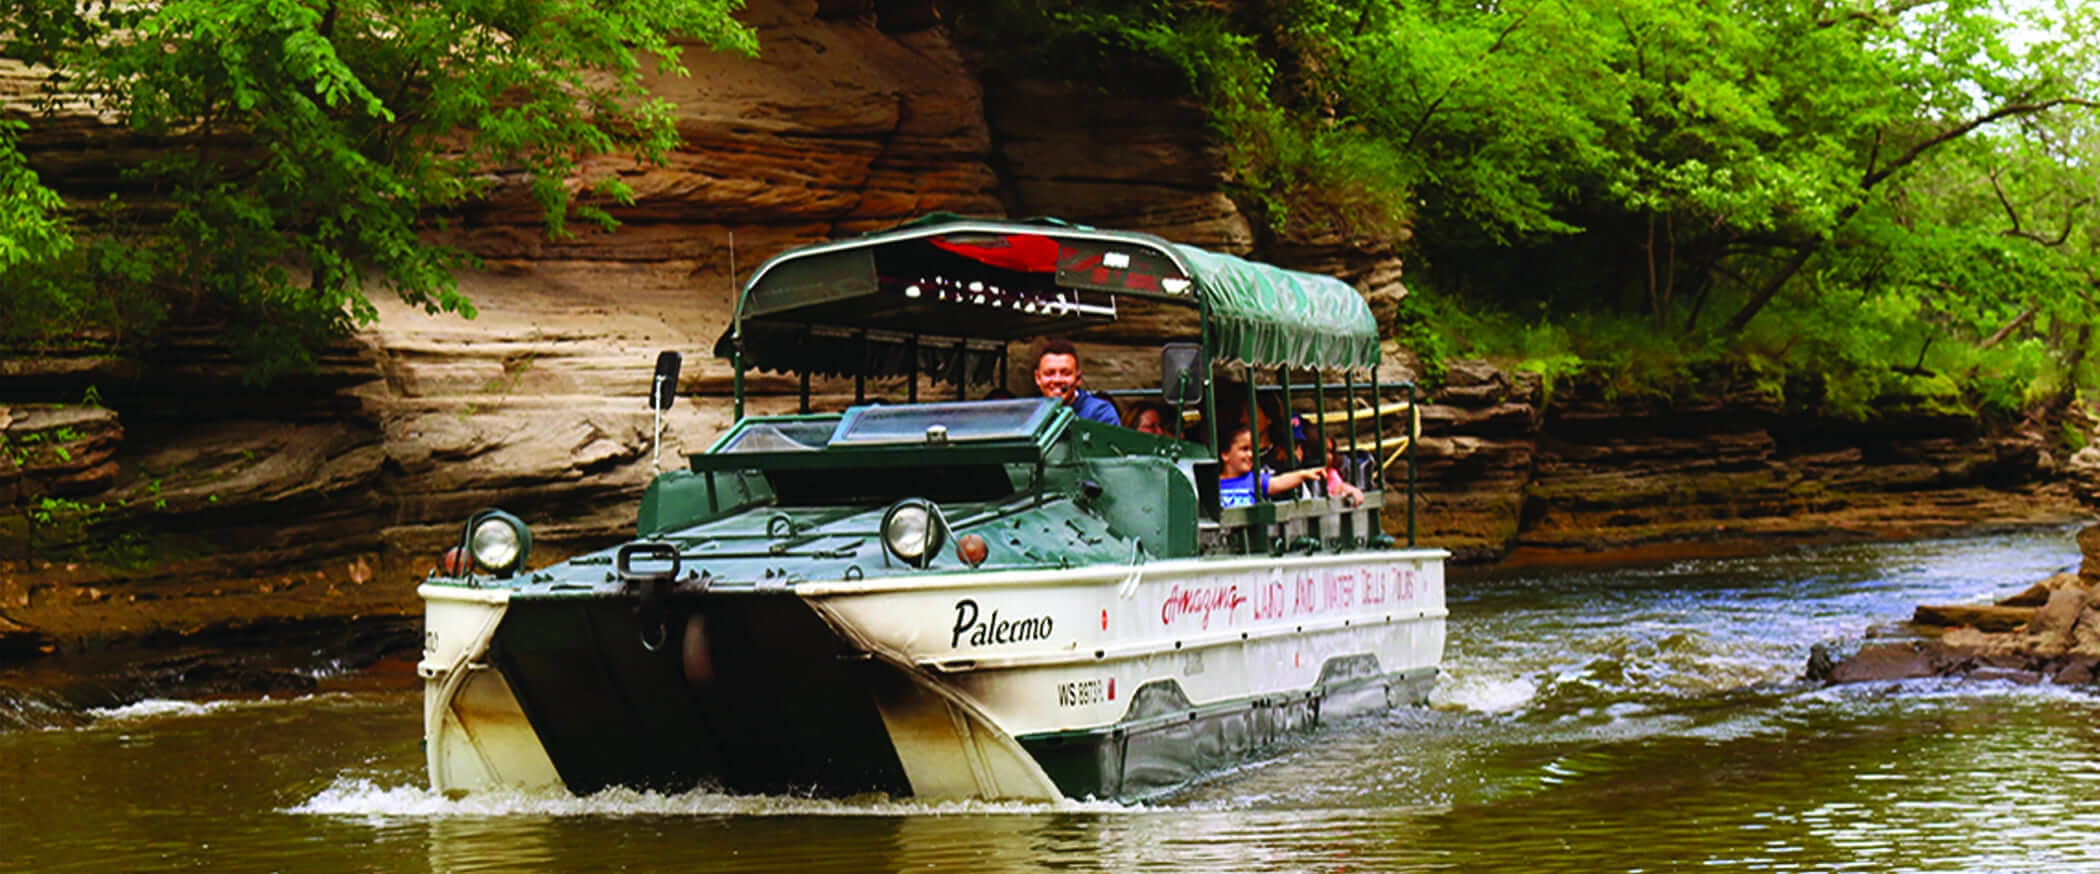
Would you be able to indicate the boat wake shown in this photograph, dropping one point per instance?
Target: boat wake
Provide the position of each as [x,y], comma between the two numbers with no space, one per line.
[1607,674]
[158,708]
[1483,693]
[49,712]
[367,798]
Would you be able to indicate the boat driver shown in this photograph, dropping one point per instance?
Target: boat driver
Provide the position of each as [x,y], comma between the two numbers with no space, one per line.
[1057,376]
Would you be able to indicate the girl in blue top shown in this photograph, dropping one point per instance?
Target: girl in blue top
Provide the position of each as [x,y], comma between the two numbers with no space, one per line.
[1237,476]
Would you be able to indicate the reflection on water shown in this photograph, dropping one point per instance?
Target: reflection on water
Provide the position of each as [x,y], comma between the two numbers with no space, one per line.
[1630,720]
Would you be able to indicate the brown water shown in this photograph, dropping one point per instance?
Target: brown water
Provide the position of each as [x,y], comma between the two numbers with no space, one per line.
[1627,720]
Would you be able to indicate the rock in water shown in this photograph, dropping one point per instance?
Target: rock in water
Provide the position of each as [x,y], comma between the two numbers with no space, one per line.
[2049,632]
[2089,547]
[1884,661]
[1820,663]
[1988,617]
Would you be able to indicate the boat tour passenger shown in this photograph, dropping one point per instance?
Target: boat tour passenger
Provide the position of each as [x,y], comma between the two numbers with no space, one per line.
[1150,417]
[1338,485]
[1057,376]
[1237,474]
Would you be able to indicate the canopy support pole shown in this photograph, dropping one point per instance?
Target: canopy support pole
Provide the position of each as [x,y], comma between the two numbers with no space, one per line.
[1254,424]
[1320,411]
[1210,388]
[1377,523]
[736,362]
[911,370]
[1291,453]
[1413,437]
[803,406]
[736,330]
[860,374]
[1349,395]
[1377,431]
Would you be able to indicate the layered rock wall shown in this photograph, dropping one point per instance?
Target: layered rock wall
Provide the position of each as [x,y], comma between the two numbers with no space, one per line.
[1588,476]
[146,497]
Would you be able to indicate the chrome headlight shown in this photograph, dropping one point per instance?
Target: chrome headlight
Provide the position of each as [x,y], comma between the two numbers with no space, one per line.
[498,541]
[912,531]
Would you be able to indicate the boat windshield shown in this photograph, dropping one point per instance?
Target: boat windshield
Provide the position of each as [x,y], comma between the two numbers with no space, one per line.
[943,423]
[780,437]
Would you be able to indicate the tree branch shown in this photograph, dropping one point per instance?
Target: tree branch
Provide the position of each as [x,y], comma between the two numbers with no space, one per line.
[1501,39]
[2010,327]
[1771,287]
[1876,177]
[2013,215]
[1876,17]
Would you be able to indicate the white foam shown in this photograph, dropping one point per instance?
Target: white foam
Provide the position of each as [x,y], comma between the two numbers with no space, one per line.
[156,708]
[1484,695]
[361,797]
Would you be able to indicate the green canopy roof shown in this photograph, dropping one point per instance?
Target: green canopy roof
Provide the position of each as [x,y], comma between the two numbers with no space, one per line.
[1264,314]
[1033,278]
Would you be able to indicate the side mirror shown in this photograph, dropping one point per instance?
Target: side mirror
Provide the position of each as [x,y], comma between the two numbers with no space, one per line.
[1183,371]
[664,389]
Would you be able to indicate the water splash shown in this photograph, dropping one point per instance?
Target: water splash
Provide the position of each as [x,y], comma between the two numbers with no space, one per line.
[364,797]
[1483,693]
[157,708]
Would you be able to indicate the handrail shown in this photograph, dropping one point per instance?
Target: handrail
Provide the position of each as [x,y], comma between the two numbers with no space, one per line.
[1406,442]
[1362,410]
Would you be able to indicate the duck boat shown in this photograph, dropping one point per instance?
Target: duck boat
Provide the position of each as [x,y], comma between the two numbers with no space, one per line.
[955,598]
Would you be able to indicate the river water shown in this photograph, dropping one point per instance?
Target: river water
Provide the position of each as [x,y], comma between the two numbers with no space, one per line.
[1645,719]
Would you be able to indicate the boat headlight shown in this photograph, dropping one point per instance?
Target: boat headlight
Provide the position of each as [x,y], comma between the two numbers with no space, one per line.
[498,541]
[912,530]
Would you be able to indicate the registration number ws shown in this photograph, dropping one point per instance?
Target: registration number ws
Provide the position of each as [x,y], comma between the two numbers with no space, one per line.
[1085,693]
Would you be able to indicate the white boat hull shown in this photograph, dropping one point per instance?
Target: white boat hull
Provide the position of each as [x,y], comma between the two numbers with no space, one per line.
[1113,682]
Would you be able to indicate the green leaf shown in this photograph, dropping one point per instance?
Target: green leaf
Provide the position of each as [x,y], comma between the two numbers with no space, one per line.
[324,139]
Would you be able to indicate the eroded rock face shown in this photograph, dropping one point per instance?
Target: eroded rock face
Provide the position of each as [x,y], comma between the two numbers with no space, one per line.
[56,451]
[1727,468]
[2082,472]
[1476,458]
[227,506]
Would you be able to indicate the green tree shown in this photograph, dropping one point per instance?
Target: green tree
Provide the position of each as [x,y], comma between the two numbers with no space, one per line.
[30,223]
[1889,194]
[306,146]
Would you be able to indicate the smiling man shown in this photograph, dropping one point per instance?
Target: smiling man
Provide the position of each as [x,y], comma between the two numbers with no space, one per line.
[1057,376]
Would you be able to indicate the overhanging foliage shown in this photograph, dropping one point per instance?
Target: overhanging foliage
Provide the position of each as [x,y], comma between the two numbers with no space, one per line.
[305,146]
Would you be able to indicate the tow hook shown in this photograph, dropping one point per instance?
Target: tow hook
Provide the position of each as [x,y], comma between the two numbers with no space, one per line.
[649,567]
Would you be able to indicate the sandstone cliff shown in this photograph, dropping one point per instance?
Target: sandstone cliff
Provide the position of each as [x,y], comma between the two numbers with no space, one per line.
[142,497]
[1723,468]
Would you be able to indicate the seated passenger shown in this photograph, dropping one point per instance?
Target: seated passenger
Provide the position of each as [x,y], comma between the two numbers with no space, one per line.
[1057,376]
[1282,435]
[1150,417]
[1338,485]
[1237,476]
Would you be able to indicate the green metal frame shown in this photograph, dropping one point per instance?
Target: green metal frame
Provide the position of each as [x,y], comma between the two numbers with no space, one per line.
[1249,313]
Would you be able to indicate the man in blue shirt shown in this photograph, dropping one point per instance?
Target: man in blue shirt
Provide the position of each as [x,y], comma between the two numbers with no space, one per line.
[1057,376]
